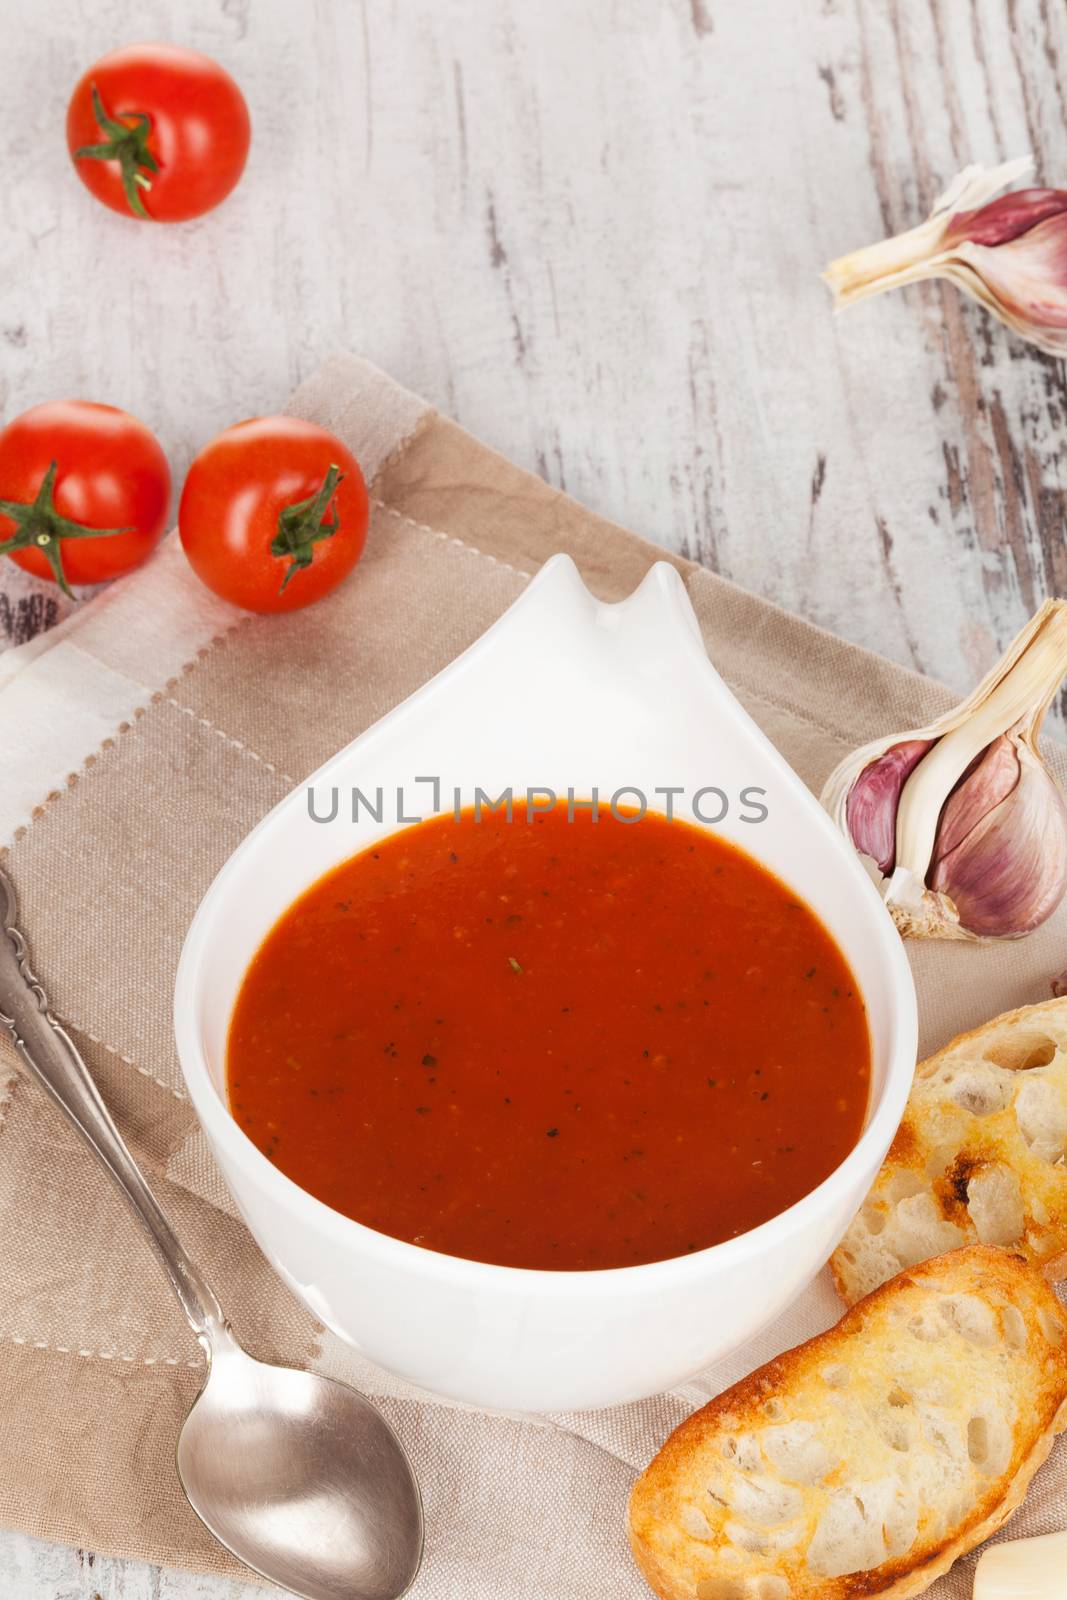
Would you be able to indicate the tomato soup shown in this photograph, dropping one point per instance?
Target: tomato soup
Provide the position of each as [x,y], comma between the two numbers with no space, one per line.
[551,1043]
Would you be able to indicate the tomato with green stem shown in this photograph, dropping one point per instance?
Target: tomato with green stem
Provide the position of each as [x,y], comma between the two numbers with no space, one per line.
[274,514]
[158,132]
[84,492]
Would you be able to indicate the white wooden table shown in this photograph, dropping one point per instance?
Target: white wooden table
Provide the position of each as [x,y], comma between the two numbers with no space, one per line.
[591,231]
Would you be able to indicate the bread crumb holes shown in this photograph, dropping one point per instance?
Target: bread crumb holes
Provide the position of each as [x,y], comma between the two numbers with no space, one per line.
[978,1441]
[1021,1051]
[721,1589]
[1051,1325]
[694,1522]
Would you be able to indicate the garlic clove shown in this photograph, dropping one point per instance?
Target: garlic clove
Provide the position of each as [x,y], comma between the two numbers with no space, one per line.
[962,817]
[1008,872]
[1005,219]
[1023,1569]
[988,781]
[872,801]
[1010,254]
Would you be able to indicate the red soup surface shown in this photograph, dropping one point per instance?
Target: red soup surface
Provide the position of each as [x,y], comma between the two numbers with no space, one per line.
[550,1043]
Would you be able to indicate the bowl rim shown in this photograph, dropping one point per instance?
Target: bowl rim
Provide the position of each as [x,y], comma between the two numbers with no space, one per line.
[225,1134]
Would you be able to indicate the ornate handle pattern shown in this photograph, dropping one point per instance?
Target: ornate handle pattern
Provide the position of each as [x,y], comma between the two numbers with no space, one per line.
[50,1056]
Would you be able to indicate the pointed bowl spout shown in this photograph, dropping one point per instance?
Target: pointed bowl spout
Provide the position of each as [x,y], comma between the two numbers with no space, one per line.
[563,692]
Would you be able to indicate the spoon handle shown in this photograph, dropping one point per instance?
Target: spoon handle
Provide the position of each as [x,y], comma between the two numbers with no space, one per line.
[49,1055]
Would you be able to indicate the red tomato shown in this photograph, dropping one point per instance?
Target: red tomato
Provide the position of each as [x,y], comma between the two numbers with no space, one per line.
[158,132]
[274,514]
[84,491]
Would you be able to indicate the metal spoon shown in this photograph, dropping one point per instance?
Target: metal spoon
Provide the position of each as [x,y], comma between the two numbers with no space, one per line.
[300,1477]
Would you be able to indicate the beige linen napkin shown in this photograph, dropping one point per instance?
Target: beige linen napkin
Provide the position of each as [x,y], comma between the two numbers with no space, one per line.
[139,741]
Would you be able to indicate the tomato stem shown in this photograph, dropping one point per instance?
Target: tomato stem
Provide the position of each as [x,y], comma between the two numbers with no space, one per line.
[39,526]
[303,524]
[126,143]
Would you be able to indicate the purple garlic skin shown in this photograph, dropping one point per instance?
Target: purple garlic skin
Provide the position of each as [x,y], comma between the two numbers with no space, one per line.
[989,779]
[1007,218]
[871,809]
[1001,849]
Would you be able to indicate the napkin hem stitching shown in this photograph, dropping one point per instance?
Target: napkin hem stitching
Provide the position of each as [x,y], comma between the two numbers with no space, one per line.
[74,777]
[23,1340]
[154,697]
[246,750]
[118,1054]
[451,538]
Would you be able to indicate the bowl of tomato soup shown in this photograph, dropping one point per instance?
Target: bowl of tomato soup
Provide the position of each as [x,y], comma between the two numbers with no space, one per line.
[545,1043]
[549,1103]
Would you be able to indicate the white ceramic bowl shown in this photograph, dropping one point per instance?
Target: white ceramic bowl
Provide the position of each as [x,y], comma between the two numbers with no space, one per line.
[562,691]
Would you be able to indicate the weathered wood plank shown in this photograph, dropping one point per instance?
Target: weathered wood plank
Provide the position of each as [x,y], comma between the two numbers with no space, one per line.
[593,233]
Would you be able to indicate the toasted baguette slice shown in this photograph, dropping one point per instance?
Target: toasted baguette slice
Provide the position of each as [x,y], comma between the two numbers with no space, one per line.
[978,1158]
[865,1461]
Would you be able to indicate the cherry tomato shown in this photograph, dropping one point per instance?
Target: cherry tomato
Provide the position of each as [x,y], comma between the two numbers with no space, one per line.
[274,514]
[84,491]
[158,132]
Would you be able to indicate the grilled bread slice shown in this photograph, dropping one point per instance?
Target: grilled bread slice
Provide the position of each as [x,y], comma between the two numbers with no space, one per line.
[978,1158]
[865,1461]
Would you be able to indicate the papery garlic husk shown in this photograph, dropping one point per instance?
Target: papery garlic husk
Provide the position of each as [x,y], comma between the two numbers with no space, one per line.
[962,819]
[1010,254]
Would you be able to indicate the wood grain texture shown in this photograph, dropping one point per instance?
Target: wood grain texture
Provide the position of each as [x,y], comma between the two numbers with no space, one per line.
[33,1570]
[590,230]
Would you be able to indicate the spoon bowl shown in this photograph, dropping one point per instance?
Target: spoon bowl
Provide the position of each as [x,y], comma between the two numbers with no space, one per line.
[302,1479]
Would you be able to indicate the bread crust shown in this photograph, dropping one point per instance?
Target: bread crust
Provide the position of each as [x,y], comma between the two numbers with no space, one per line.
[980,1155]
[696,1478]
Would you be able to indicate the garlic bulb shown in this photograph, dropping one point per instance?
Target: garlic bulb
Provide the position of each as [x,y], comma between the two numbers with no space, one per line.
[1023,1569]
[962,819]
[1010,254]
